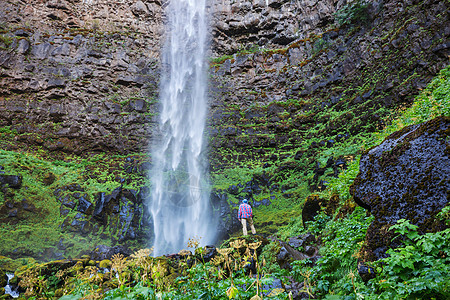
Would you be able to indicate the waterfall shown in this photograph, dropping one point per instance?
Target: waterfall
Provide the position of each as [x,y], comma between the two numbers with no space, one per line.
[8,289]
[180,187]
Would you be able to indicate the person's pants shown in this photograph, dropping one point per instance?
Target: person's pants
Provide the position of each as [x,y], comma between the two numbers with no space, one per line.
[244,225]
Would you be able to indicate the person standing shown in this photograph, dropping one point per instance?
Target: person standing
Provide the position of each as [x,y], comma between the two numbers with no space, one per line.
[246,214]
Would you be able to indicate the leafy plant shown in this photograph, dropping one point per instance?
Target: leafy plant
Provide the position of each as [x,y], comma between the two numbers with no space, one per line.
[353,13]
[319,45]
[418,269]
[334,271]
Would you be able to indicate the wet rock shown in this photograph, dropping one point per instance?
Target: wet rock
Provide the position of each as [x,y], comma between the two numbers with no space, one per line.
[105,202]
[68,202]
[102,252]
[366,272]
[13,181]
[126,215]
[226,214]
[234,190]
[78,224]
[130,195]
[84,206]
[405,177]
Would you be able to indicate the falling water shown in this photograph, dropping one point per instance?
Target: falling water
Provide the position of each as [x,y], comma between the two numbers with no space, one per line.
[180,194]
[8,289]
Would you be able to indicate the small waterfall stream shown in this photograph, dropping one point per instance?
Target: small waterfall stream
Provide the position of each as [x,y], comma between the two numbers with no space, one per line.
[8,289]
[180,189]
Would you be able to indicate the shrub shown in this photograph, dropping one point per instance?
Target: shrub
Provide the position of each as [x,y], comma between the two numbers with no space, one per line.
[418,269]
[356,12]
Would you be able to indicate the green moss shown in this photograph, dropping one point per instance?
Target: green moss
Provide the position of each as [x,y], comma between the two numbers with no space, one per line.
[23,235]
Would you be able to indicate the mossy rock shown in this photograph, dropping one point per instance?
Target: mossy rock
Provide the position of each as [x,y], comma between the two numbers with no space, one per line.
[91,263]
[55,266]
[404,178]
[79,266]
[106,263]
[10,265]
[59,293]
[48,178]
[3,279]
[163,265]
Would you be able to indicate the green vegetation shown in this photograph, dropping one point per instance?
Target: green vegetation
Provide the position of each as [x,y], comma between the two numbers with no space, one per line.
[418,269]
[5,40]
[432,102]
[229,275]
[353,13]
[22,235]
[335,272]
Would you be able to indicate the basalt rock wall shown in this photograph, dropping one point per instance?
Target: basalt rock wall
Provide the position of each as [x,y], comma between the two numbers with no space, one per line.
[348,77]
[79,76]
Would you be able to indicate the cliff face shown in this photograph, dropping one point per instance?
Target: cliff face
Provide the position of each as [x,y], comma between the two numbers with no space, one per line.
[294,85]
[79,75]
[346,78]
[241,24]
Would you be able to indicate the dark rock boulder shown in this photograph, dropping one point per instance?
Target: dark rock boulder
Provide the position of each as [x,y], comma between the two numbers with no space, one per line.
[405,177]
[13,181]
[288,254]
[102,204]
[366,272]
[302,241]
[209,252]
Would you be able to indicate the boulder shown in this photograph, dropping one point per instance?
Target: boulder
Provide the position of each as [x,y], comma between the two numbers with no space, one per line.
[405,177]
[13,181]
